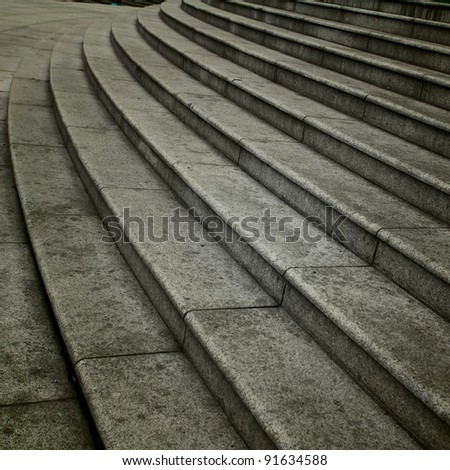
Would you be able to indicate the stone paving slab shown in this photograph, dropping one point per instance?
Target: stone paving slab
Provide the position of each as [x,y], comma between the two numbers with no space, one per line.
[34,125]
[36,69]
[30,92]
[34,369]
[48,182]
[220,281]
[5,80]
[102,153]
[404,336]
[4,147]
[161,392]
[100,307]
[301,397]
[4,97]
[54,425]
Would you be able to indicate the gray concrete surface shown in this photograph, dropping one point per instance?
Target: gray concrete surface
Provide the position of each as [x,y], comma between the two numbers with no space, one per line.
[39,407]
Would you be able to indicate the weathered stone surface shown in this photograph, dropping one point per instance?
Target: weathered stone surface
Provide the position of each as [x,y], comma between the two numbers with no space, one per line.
[297,393]
[5,80]
[36,68]
[80,110]
[102,153]
[9,63]
[4,97]
[419,259]
[30,92]
[162,393]
[219,280]
[385,321]
[71,80]
[48,182]
[55,425]
[100,307]
[34,125]
[33,368]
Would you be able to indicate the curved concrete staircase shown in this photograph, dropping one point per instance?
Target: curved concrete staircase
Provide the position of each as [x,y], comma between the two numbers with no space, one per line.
[218,111]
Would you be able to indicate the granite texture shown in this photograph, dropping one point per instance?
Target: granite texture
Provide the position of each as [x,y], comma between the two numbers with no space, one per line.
[56,425]
[160,392]
[34,369]
[294,390]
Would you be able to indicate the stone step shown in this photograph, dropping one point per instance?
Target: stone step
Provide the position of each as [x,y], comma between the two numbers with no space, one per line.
[423,53]
[308,183]
[421,83]
[397,161]
[105,318]
[416,9]
[220,189]
[417,28]
[255,381]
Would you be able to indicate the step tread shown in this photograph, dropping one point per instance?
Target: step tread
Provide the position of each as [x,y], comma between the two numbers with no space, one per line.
[421,163]
[429,113]
[100,307]
[159,401]
[116,198]
[412,42]
[215,177]
[429,247]
[400,322]
[245,344]
[55,206]
[320,44]
[375,13]
[374,211]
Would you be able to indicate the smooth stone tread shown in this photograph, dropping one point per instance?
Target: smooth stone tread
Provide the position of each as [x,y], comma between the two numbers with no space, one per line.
[397,315]
[104,283]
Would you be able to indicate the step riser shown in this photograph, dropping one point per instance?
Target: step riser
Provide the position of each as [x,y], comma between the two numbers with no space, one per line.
[360,241]
[414,191]
[214,378]
[406,85]
[405,53]
[410,412]
[407,28]
[414,278]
